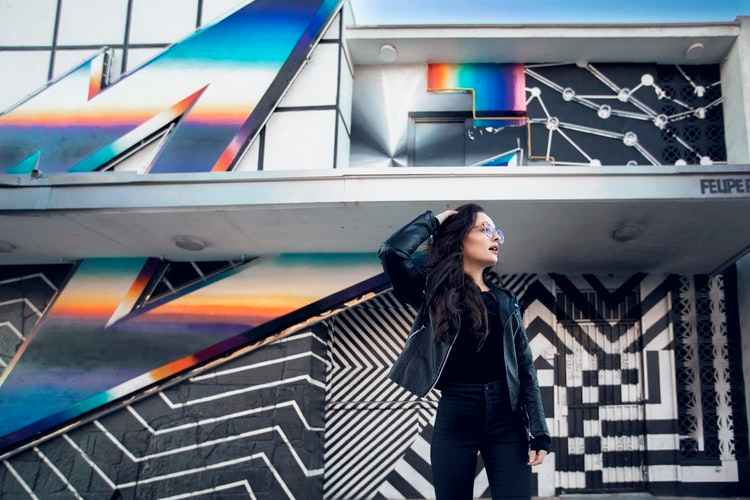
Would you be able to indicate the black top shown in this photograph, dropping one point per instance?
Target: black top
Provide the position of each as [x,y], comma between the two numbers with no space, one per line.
[465,364]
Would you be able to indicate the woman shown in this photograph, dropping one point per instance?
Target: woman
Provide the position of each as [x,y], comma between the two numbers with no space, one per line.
[468,341]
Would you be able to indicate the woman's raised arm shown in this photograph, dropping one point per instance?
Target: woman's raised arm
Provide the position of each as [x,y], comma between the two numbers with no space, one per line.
[404,268]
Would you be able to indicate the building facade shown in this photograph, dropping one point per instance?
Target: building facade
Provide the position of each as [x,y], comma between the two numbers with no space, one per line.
[193,192]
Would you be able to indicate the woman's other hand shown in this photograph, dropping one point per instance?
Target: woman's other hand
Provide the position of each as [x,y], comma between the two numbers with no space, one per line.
[536,456]
[445,214]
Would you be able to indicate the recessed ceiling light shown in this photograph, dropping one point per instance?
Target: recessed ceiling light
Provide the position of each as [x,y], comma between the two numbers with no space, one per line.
[7,246]
[188,242]
[694,51]
[627,231]
[388,53]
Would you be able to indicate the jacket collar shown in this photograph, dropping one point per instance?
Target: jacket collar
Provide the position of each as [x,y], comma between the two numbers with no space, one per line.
[501,289]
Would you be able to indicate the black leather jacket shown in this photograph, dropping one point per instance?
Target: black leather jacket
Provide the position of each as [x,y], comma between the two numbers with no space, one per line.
[421,362]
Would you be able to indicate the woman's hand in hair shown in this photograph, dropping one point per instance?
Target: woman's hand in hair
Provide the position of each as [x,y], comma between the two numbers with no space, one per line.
[444,215]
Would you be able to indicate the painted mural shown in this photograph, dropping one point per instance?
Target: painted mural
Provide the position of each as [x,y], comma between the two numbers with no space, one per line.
[558,113]
[217,87]
[497,90]
[73,362]
[640,377]
[251,426]
[616,357]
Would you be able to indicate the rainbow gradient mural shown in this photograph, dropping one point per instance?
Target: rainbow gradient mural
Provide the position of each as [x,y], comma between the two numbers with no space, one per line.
[219,85]
[498,90]
[96,345]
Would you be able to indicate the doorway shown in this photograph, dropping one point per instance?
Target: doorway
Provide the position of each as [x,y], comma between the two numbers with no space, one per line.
[599,396]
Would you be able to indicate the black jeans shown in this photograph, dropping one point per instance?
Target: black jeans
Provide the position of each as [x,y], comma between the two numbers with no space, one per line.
[475,418]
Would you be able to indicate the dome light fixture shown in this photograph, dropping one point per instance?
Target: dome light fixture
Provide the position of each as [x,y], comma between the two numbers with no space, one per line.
[694,51]
[388,53]
[188,242]
[627,231]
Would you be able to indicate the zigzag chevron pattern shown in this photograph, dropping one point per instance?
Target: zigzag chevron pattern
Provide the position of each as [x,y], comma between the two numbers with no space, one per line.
[603,349]
[378,434]
[24,295]
[314,415]
[249,428]
[367,429]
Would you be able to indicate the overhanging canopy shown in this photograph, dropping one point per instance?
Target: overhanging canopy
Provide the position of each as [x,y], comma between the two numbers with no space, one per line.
[693,219]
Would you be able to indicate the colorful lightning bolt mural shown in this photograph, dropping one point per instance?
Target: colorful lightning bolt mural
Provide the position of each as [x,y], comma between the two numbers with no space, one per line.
[498,90]
[99,342]
[219,85]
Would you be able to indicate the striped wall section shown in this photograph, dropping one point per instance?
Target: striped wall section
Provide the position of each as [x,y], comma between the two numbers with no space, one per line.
[371,423]
[604,349]
[377,434]
[249,428]
[654,404]
[25,292]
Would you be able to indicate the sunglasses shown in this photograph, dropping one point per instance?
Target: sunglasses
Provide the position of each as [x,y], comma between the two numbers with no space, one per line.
[490,231]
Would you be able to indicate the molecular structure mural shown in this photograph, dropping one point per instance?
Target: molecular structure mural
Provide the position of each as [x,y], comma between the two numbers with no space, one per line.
[579,115]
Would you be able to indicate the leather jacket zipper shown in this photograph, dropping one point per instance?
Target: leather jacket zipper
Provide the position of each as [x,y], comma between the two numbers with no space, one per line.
[416,332]
[519,320]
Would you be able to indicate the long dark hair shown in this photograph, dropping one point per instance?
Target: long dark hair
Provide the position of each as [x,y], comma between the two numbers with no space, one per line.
[449,289]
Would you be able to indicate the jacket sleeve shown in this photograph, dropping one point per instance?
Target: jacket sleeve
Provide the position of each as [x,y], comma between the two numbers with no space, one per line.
[402,264]
[531,396]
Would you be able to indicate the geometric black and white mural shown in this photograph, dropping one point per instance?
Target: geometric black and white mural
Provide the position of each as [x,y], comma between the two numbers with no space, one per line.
[610,375]
[640,375]
[578,114]
[708,366]
[621,114]
[376,432]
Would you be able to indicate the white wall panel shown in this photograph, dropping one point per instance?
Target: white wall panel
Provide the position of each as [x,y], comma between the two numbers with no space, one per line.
[216,9]
[348,14]
[83,22]
[165,21]
[23,73]
[300,140]
[332,33]
[316,83]
[342,147]
[27,22]
[136,57]
[67,59]
[345,95]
